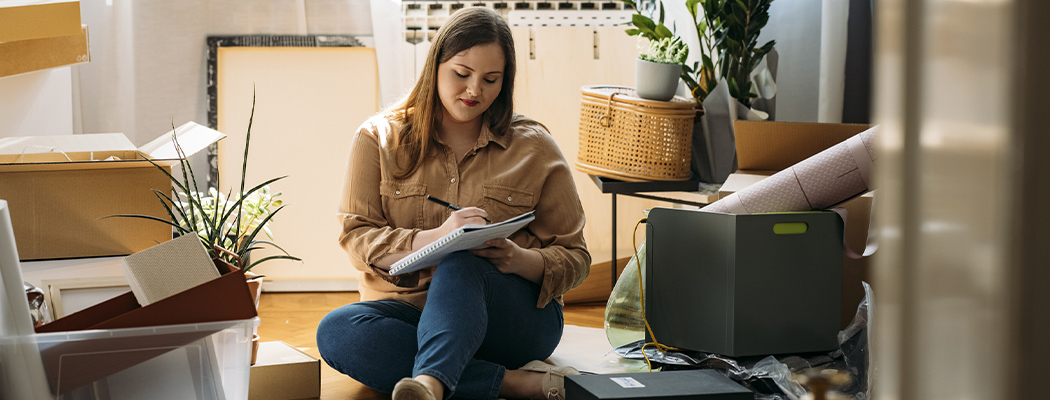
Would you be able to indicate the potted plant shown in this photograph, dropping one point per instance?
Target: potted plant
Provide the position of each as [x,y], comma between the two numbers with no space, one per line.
[728,31]
[228,225]
[657,70]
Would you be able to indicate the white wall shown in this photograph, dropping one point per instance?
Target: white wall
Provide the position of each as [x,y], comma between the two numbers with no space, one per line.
[796,27]
[38,103]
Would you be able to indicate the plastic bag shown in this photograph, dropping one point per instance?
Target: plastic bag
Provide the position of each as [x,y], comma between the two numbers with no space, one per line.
[771,377]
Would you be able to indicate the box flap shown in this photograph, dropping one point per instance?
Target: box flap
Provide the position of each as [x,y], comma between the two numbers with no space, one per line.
[773,146]
[65,143]
[192,138]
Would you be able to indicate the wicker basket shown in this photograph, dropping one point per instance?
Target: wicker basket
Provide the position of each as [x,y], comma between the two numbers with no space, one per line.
[623,136]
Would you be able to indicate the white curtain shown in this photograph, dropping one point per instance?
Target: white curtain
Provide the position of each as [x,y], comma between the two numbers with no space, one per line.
[810,40]
[148,57]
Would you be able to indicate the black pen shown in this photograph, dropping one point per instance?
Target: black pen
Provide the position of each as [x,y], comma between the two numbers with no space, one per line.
[450,205]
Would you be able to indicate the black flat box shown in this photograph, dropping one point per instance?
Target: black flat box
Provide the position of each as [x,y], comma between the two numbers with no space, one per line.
[680,385]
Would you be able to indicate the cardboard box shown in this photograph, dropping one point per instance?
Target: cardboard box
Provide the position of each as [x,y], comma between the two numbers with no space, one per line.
[773,146]
[61,188]
[703,384]
[43,53]
[282,372]
[744,285]
[854,271]
[28,20]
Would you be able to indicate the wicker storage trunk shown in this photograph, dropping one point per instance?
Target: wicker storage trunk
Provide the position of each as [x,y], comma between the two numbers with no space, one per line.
[623,136]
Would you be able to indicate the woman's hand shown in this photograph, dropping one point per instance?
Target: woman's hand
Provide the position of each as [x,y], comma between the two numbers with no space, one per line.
[465,216]
[468,215]
[508,258]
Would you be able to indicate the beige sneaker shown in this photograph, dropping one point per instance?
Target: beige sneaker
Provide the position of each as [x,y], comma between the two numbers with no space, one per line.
[553,378]
[411,389]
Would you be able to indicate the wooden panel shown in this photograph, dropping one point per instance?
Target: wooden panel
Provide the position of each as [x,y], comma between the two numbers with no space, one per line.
[308,102]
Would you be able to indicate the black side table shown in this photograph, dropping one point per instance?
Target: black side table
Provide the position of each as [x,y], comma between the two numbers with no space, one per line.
[639,189]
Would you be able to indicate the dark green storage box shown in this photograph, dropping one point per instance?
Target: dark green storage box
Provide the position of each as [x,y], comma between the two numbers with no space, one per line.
[744,285]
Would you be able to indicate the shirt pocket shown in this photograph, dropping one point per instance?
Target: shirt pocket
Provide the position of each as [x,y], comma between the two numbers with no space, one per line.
[503,203]
[403,203]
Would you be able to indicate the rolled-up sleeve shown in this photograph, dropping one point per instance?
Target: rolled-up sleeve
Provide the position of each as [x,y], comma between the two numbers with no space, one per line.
[366,235]
[559,229]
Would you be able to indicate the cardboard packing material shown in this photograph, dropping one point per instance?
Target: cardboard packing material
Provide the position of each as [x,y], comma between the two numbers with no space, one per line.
[27,20]
[59,189]
[43,53]
[773,146]
[283,372]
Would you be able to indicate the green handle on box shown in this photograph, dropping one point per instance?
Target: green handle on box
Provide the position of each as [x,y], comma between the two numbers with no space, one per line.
[790,228]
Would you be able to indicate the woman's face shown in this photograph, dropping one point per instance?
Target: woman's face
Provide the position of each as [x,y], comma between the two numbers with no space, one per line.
[469,82]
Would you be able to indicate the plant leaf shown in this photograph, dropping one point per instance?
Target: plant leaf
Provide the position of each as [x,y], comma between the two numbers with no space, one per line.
[264,259]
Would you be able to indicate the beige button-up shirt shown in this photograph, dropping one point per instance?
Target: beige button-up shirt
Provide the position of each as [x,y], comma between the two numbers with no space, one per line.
[505,175]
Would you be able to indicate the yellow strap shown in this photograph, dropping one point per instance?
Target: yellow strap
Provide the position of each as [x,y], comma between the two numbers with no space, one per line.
[641,297]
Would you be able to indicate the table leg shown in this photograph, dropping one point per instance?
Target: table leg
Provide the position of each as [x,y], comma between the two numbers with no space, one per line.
[613,243]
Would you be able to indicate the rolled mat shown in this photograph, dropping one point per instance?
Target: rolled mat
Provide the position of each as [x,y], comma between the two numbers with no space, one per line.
[830,177]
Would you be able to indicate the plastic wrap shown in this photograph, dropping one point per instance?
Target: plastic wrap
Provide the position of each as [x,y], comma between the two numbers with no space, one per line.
[771,377]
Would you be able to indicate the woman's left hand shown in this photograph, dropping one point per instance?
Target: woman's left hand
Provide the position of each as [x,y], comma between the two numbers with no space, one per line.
[509,258]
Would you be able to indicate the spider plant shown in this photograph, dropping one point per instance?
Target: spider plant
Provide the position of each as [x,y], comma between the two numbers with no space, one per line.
[231,222]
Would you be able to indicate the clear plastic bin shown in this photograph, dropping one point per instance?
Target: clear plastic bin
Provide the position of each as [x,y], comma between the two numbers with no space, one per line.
[192,361]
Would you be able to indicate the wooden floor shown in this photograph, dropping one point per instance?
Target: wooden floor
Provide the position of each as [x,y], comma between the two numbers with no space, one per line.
[293,318]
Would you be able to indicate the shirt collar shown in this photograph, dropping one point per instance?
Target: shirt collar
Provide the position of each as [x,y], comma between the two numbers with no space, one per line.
[487,136]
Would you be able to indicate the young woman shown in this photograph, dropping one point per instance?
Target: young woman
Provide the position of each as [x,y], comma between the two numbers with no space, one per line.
[474,325]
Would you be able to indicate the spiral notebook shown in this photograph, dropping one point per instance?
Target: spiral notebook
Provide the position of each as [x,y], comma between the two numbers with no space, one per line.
[467,237]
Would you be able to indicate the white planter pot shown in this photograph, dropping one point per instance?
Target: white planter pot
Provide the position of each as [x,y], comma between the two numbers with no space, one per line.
[656,81]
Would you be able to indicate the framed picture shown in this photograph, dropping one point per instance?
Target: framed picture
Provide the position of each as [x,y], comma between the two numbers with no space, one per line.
[309,94]
[67,296]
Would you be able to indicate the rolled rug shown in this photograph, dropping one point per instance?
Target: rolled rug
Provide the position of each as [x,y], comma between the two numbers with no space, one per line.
[830,177]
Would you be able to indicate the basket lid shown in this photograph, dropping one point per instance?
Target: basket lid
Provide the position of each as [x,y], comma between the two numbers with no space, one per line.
[629,95]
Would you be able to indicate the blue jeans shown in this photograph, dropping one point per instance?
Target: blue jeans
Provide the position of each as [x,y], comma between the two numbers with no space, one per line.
[477,322]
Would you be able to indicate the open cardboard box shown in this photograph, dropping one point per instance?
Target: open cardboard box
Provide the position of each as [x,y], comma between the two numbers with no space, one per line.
[60,189]
[766,147]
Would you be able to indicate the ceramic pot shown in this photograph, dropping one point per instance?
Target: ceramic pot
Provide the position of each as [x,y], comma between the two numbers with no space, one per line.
[656,81]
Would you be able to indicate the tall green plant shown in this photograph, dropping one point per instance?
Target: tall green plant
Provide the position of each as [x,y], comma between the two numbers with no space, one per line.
[216,221]
[736,38]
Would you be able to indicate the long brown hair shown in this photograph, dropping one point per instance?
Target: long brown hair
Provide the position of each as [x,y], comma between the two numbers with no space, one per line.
[420,111]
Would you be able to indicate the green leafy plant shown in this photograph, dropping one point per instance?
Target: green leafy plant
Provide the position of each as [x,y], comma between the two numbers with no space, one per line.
[666,51]
[728,31]
[232,222]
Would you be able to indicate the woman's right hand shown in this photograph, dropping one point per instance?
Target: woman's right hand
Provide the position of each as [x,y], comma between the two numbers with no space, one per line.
[465,216]
[468,215]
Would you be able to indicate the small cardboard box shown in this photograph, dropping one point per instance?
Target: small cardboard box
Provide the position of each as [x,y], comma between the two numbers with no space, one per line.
[27,20]
[744,285]
[43,53]
[61,188]
[282,372]
[773,146]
